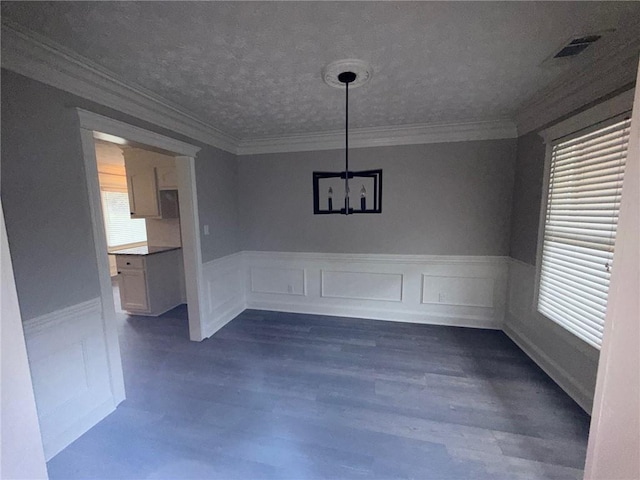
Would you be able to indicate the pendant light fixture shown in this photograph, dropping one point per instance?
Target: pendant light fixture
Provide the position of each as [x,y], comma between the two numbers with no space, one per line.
[346,74]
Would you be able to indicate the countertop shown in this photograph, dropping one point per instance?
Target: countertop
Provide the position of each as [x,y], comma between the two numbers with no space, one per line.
[142,250]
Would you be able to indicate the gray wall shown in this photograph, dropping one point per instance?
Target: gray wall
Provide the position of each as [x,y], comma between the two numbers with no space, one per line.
[46,201]
[527,196]
[438,199]
[216,181]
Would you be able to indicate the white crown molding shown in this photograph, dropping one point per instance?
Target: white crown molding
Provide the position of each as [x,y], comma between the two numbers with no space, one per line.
[381,137]
[577,88]
[100,123]
[602,111]
[34,56]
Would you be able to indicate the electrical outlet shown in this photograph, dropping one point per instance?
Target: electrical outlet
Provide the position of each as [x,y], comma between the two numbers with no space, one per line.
[206,229]
[290,288]
[441,297]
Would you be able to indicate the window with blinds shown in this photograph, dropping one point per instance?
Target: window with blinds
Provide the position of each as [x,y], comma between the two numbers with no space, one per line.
[585,183]
[121,229]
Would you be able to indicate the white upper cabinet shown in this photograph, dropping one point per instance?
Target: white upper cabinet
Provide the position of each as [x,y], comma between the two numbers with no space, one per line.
[148,175]
[143,194]
[167,177]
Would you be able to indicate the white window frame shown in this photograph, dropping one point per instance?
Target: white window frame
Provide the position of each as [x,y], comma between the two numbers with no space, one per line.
[598,114]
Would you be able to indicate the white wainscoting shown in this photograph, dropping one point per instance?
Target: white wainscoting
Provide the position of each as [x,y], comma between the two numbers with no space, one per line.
[570,362]
[224,295]
[447,290]
[69,367]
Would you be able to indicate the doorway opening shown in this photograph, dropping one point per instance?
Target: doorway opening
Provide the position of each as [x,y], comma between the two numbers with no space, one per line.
[179,199]
[140,209]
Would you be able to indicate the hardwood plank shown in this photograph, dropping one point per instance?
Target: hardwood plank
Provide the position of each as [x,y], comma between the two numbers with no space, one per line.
[277,395]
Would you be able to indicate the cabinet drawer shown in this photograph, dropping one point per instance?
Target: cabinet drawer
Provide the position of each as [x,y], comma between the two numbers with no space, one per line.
[129,262]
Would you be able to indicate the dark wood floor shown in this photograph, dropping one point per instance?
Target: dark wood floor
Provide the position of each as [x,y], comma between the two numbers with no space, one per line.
[276,395]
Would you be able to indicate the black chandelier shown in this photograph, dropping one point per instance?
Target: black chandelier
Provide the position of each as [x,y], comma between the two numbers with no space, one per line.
[326,184]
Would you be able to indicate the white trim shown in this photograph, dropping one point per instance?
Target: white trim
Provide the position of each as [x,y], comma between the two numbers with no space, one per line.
[189,225]
[191,251]
[37,325]
[446,319]
[577,88]
[607,109]
[35,56]
[381,137]
[100,123]
[542,216]
[108,316]
[376,258]
[551,368]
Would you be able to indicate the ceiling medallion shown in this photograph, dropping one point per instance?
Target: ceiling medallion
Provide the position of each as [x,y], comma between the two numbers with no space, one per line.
[362,70]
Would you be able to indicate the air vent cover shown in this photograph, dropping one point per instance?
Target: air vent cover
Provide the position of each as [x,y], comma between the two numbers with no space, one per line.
[577,45]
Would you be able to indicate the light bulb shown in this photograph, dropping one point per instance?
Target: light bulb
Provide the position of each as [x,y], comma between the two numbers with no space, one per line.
[363,192]
[330,192]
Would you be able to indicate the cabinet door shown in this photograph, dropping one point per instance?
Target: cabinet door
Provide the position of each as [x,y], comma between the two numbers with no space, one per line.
[143,194]
[133,290]
[167,178]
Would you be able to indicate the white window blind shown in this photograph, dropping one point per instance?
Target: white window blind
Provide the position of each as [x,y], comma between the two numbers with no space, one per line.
[120,228]
[583,202]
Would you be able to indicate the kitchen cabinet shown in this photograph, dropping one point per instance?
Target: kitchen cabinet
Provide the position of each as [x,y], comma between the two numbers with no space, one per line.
[133,291]
[150,282]
[167,177]
[143,194]
[151,183]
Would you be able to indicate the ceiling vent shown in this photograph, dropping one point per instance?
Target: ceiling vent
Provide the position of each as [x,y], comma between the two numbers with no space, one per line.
[576,46]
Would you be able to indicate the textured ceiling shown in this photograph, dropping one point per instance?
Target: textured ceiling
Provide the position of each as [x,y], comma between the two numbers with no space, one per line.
[253,69]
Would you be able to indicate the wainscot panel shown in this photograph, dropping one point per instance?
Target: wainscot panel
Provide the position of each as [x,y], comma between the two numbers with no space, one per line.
[70,372]
[285,281]
[448,290]
[224,292]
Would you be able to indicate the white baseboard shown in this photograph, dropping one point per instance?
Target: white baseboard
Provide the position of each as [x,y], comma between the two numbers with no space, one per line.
[552,368]
[67,354]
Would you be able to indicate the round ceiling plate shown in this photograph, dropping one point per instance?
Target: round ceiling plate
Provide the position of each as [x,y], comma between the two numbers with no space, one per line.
[362,70]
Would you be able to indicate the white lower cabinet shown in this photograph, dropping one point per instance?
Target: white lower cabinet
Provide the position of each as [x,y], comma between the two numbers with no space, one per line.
[133,290]
[150,284]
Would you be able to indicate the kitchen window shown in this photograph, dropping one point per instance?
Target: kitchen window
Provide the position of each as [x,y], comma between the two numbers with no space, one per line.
[121,229]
